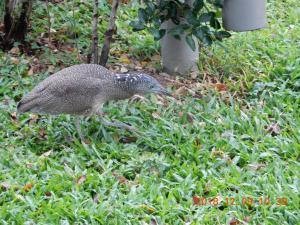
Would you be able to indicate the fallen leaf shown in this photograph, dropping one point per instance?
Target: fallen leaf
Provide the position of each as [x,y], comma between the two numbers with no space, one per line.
[27,187]
[126,140]
[30,71]
[13,116]
[81,179]
[196,200]
[15,51]
[42,133]
[15,60]
[48,194]
[220,87]
[121,179]
[273,129]
[124,59]
[123,69]
[194,74]
[51,69]
[234,221]
[33,119]
[181,91]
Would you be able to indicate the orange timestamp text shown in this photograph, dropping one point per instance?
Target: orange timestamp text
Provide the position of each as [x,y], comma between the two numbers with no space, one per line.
[244,200]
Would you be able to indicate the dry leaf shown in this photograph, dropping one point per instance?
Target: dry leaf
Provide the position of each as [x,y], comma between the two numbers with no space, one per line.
[124,59]
[48,194]
[126,140]
[196,200]
[81,179]
[30,71]
[220,87]
[234,221]
[194,74]
[15,60]
[123,69]
[181,91]
[33,119]
[121,179]
[273,129]
[42,133]
[27,187]
[13,116]
[51,69]
[15,51]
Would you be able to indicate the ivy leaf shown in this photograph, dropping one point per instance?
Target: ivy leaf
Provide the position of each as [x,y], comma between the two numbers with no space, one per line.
[142,14]
[157,34]
[191,18]
[137,25]
[205,17]
[203,34]
[214,22]
[190,41]
[198,5]
[222,34]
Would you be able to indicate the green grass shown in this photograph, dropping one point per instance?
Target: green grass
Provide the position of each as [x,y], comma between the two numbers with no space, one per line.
[224,151]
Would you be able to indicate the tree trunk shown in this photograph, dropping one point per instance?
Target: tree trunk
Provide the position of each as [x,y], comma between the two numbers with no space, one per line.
[16,21]
[109,33]
[95,51]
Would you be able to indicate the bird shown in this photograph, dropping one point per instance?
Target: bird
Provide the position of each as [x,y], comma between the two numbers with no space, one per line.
[81,90]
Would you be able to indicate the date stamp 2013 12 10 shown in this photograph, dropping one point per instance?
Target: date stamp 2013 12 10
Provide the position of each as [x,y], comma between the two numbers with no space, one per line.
[243,200]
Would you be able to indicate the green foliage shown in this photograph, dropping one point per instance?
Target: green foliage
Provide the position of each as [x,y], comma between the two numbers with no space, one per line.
[200,19]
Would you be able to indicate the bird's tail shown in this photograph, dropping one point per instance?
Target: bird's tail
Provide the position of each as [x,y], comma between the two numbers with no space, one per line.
[27,104]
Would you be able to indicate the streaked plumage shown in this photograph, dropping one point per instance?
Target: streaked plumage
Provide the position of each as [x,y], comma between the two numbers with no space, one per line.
[82,89]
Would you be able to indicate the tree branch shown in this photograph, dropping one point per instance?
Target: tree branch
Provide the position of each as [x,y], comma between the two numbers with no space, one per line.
[109,33]
[95,52]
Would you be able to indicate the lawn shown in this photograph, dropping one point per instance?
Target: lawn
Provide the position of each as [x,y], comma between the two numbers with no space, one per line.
[226,153]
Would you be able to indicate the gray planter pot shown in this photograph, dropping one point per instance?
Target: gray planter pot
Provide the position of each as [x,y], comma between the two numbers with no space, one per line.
[177,57]
[244,15]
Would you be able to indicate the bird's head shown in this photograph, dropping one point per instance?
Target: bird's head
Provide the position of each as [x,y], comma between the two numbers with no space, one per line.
[140,83]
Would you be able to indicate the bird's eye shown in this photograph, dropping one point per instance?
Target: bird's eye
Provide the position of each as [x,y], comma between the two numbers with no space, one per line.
[152,86]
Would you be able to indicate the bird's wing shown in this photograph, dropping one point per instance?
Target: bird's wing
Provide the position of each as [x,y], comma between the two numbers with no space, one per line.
[63,94]
[86,70]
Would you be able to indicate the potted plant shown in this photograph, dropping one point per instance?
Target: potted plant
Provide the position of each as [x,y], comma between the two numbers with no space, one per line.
[183,26]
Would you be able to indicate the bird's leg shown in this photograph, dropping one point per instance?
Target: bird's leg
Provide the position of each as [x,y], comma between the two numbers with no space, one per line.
[112,123]
[77,124]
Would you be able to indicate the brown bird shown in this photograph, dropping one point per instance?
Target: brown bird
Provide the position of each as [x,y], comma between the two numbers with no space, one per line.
[83,89]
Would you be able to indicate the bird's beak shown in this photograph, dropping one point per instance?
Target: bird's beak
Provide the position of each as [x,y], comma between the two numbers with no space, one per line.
[162,90]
